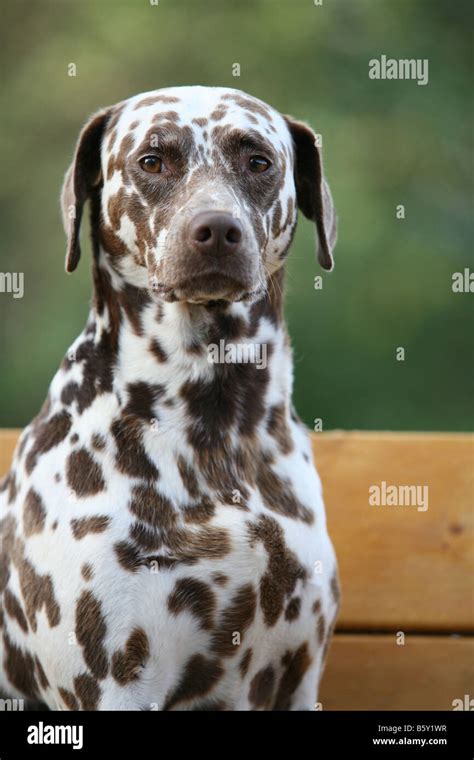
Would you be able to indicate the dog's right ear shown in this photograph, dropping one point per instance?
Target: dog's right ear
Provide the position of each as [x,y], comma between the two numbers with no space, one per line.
[81,178]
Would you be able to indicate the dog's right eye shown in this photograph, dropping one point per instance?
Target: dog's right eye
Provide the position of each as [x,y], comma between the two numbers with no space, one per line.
[151,164]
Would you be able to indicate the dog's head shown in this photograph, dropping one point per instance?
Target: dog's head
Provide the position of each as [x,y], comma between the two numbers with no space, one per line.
[196,191]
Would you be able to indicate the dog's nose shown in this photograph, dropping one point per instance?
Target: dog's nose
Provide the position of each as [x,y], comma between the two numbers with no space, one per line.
[215,233]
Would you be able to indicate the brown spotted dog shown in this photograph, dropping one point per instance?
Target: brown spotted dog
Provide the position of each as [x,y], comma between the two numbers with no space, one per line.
[164,541]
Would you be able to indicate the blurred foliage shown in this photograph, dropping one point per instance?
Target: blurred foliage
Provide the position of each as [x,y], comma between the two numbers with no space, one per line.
[385,143]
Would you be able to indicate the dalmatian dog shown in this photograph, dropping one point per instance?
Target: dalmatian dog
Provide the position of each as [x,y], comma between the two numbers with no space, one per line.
[163,534]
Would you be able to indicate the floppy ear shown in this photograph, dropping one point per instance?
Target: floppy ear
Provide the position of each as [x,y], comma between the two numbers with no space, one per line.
[312,191]
[81,178]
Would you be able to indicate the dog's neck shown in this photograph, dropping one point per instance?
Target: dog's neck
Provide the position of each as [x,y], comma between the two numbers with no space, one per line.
[212,368]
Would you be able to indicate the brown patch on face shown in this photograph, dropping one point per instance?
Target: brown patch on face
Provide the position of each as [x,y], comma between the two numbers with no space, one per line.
[283,569]
[276,220]
[321,629]
[245,662]
[188,476]
[19,668]
[200,121]
[128,663]
[87,572]
[235,618]
[277,426]
[195,597]
[199,677]
[220,579]
[293,609]
[90,632]
[261,687]
[152,99]
[296,664]
[74,438]
[145,538]
[316,608]
[14,610]
[278,495]
[172,116]
[87,690]
[131,458]
[34,513]
[69,699]
[85,525]
[84,474]
[49,434]
[218,113]
[249,104]
[98,442]
[158,351]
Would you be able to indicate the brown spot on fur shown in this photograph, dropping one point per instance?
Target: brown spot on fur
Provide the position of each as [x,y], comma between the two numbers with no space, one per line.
[90,632]
[152,99]
[141,399]
[316,608]
[87,572]
[194,596]
[277,426]
[321,629]
[262,686]
[87,690]
[200,675]
[84,474]
[277,494]
[283,569]
[335,589]
[220,579]
[37,590]
[200,121]
[188,476]
[293,609]
[85,525]
[69,699]
[132,458]
[158,351]
[98,442]
[235,618]
[245,662]
[34,513]
[296,665]
[14,610]
[49,434]
[19,668]
[128,663]
[42,678]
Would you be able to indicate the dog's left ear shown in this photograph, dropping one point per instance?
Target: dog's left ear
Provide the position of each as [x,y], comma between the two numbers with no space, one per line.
[81,178]
[312,191]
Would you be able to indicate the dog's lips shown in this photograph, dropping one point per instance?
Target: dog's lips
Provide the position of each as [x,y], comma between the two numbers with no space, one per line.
[205,288]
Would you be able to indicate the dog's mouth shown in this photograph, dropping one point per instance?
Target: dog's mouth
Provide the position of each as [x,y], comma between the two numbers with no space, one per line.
[210,289]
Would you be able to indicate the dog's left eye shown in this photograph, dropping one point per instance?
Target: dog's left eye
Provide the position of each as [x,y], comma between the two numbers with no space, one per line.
[259,164]
[151,164]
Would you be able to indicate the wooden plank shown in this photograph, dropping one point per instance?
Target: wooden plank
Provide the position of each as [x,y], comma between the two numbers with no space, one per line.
[401,569]
[372,672]
[8,439]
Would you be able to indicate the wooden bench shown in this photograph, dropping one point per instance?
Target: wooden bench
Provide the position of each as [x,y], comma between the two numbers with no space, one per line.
[404,639]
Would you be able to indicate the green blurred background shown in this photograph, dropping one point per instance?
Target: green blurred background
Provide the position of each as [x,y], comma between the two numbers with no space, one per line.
[385,143]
